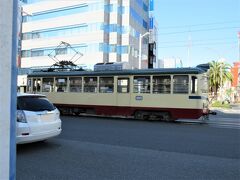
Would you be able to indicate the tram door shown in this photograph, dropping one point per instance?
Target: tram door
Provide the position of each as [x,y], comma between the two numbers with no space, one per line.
[123,94]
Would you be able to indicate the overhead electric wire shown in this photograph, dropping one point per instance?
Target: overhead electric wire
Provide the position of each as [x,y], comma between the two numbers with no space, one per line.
[200,44]
[198,40]
[198,30]
[203,24]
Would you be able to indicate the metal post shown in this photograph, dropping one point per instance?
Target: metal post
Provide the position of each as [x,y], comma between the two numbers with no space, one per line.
[221,83]
[239,45]
[189,48]
[140,49]
[140,52]
[8,88]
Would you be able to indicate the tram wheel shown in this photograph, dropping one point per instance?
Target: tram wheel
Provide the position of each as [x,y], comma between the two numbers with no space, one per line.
[141,115]
[138,115]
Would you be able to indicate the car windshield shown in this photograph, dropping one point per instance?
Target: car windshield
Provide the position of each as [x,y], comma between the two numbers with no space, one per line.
[34,103]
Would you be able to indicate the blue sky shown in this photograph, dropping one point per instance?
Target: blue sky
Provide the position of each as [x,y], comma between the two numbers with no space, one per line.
[208,27]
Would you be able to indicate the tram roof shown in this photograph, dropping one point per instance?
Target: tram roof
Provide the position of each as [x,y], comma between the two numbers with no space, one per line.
[121,72]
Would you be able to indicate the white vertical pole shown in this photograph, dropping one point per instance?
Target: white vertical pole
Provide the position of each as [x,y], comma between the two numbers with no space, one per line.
[189,48]
[238,45]
[140,52]
[8,88]
[140,49]
[221,83]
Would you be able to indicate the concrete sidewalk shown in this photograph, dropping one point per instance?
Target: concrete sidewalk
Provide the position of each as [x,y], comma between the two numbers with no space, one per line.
[234,110]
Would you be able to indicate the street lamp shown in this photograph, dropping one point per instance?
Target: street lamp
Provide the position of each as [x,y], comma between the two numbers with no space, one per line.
[140,49]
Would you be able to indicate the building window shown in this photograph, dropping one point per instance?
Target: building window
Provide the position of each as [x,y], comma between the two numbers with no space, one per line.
[124,49]
[141,84]
[112,48]
[180,84]
[47,51]
[75,84]
[62,31]
[121,9]
[57,13]
[30,1]
[138,18]
[26,53]
[26,36]
[35,53]
[108,8]
[145,7]
[162,84]
[145,24]
[90,84]
[61,51]
[106,84]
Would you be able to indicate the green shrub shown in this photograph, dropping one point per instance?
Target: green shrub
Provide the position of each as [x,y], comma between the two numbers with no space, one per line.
[221,104]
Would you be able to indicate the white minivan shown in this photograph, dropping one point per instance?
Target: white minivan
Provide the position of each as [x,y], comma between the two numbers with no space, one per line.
[37,119]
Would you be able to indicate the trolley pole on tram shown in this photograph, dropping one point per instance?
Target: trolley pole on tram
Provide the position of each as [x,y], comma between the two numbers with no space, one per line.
[8,88]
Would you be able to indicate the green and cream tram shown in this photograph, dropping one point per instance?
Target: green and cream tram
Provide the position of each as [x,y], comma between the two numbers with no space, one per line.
[166,94]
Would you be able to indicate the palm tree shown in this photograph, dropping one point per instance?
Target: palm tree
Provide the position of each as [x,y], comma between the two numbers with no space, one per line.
[218,74]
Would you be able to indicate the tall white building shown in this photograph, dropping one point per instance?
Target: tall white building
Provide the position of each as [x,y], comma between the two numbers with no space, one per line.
[101,30]
[171,62]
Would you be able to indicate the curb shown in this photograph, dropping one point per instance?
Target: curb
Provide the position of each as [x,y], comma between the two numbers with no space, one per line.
[236,111]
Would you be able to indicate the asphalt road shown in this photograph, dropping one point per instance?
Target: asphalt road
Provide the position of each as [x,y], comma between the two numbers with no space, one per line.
[107,148]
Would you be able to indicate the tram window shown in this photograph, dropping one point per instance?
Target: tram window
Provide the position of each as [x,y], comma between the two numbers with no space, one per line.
[75,84]
[194,84]
[36,85]
[141,84]
[61,85]
[123,85]
[90,84]
[180,84]
[162,84]
[204,84]
[106,84]
[29,85]
[47,85]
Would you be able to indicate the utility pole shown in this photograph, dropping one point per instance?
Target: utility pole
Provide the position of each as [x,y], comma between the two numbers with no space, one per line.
[221,83]
[238,45]
[8,88]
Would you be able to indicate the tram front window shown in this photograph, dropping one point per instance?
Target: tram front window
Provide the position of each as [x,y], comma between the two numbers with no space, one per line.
[180,84]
